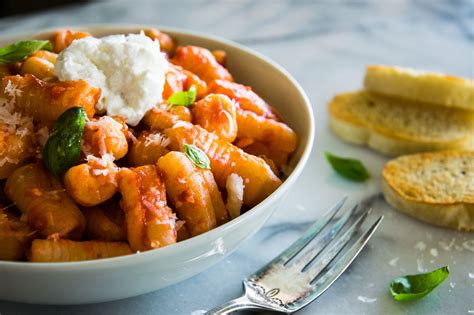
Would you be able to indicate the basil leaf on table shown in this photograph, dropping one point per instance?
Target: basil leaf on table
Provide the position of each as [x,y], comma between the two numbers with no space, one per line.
[183,98]
[196,156]
[414,287]
[349,168]
[22,49]
[63,147]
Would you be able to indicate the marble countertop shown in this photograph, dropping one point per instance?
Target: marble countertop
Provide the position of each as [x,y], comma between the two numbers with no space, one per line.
[325,46]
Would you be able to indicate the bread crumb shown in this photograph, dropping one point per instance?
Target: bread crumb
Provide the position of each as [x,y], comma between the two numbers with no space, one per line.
[434,252]
[365,299]
[419,265]
[394,261]
[446,246]
[469,245]
[421,246]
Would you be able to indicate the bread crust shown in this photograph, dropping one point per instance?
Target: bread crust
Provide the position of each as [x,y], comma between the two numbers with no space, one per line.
[378,137]
[455,211]
[458,216]
[425,87]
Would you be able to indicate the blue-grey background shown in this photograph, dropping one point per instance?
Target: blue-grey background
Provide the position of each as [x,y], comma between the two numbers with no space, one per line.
[325,45]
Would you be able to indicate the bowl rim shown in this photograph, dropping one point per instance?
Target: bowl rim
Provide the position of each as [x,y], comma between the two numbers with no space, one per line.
[127,260]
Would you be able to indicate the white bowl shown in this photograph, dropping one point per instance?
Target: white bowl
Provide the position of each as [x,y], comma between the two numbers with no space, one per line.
[121,277]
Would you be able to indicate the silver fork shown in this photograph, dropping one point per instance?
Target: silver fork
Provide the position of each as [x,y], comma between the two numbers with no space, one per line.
[289,282]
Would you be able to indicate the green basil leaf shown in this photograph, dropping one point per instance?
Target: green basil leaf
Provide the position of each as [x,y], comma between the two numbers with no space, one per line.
[196,156]
[348,168]
[414,287]
[63,148]
[183,98]
[22,49]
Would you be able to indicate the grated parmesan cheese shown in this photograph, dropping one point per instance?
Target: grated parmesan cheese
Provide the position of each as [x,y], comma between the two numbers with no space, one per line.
[157,139]
[12,123]
[235,194]
[101,125]
[103,165]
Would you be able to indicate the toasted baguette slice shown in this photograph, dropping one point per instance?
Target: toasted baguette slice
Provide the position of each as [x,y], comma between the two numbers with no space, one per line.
[425,87]
[394,126]
[435,187]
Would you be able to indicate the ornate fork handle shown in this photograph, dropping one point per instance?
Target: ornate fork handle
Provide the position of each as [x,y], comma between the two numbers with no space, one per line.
[310,273]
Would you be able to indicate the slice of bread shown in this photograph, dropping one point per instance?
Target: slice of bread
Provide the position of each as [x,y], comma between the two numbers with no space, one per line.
[427,87]
[394,126]
[435,187]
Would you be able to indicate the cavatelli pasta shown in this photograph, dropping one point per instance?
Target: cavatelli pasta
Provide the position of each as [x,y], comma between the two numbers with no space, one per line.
[221,56]
[278,135]
[163,116]
[259,180]
[105,135]
[269,138]
[66,250]
[178,79]
[44,202]
[17,146]
[244,96]
[105,222]
[217,113]
[45,102]
[192,79]
[63,38]
[201,62]
[189,190]
[174,81]
[98,181]
[148,148]
[40,64]
[15,237]
[149,221]
[167,43]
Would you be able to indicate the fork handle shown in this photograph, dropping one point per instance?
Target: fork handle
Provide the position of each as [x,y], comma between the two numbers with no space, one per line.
[241,303]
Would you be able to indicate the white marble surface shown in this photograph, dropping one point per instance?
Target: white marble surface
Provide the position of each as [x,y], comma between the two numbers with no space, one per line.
[326,47]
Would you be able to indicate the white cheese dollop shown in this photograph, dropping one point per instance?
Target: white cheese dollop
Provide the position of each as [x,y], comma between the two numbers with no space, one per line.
[130,70]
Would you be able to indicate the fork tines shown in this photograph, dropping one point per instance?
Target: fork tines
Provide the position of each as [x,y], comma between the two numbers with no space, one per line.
[326,260]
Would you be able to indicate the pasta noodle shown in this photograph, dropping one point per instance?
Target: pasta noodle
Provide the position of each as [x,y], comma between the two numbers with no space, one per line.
[217,113]
[148,148]
[15,237]
[190,192]
[44,202]
[226,159]
[64,38]
[40,64]
[98,181]
[150,222]
[244,96]
[162,117]
[105,223]
[201,62]
[45,102]
[105,136]
[167,43]
[66,250]
[16,147]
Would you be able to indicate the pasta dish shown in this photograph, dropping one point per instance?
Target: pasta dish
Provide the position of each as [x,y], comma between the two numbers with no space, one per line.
[117,145]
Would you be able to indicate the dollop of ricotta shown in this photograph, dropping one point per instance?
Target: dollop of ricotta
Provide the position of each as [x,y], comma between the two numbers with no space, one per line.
[130,70]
